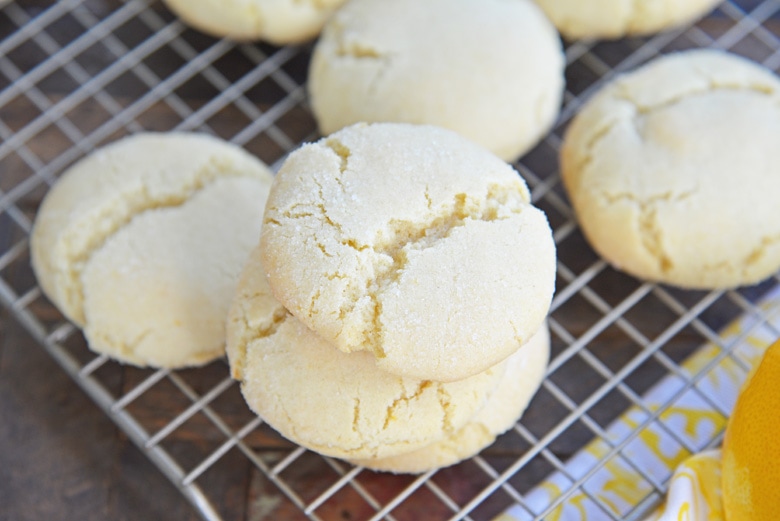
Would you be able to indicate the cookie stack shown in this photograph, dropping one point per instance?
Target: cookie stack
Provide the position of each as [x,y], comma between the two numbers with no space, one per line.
[393,311]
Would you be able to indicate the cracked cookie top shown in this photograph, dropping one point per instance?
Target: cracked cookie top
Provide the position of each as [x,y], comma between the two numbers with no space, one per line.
[279,22]
[521,379]
[610,19]
[491,70]
[336,403]
[671,168]
[141,243]
[412,243]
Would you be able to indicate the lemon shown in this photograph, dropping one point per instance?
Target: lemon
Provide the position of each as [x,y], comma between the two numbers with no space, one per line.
[751,447]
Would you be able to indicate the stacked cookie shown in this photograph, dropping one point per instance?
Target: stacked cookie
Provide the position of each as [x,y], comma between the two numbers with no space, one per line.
[396,300]
[391,315]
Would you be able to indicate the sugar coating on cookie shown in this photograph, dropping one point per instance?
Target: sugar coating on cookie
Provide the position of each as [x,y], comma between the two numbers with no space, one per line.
[490,70]
[276,21]
[523,376]
[611,19]
[335,403]
[412,243]
[672,168]
[141,244]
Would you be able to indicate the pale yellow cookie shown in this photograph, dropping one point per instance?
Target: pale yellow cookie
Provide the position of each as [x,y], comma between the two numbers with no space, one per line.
[523,376]
[141,244]
[673,170]
[491,70]
[412,243]
[335,403]
[276,21]
[610,19]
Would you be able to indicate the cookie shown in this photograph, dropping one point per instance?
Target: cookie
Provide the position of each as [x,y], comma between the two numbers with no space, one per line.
[438,62]
[672,171]
[141,244]
[523,376]
[335,403]
[611,19]
[412,243]
[279,22]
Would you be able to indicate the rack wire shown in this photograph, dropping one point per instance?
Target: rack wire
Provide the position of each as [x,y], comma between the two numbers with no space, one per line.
[77,74]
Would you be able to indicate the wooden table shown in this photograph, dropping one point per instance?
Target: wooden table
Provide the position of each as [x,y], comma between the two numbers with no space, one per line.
[61,458]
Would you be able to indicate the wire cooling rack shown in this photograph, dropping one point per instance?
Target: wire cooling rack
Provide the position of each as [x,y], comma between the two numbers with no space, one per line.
[77,74]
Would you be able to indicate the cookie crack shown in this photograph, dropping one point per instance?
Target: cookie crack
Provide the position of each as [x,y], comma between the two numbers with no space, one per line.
[749,260]
[255,14]
[651,236]
[251,334]
[126,349]
[630,22]
[600,135]
[501,203]
[404,399]
[112,220]
[650,233]
[636,18]
[712,85]
[291,423]
[644,110]
[358,50]
[445,402]
[342,151]
[326,219]
[362,52]
[356,416]
[349,46]
[759,251]
[322,212]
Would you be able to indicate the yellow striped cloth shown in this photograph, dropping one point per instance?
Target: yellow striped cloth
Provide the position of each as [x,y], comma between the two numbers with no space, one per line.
[600,482]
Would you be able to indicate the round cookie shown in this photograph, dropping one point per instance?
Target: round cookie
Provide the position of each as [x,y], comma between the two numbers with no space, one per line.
[611,19]
[412,243]
[523,376]
[436,63]
[276,21]
[673,169]
[335,403]
[141,244]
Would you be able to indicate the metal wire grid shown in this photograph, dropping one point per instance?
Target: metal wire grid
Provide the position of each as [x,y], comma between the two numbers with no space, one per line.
[76,74]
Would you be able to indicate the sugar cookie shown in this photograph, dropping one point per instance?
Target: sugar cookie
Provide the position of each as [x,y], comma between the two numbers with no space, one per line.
[524,373]
[673,170]
[490,70]
[610,19]
[276,21]
[141,244]
[335,403]
[412,243]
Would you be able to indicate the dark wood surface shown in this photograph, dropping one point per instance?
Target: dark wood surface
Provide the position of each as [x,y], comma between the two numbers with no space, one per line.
[61,458]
